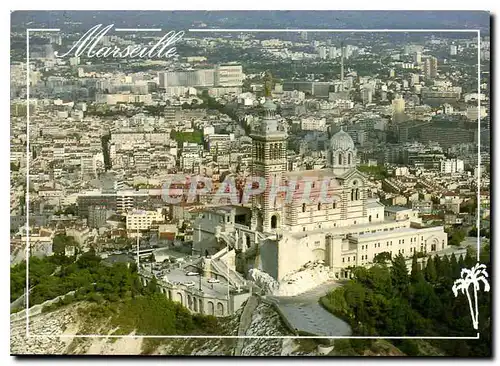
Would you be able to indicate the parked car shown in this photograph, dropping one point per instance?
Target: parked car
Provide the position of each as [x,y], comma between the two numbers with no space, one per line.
[213,280]
[189,284]
[192,274]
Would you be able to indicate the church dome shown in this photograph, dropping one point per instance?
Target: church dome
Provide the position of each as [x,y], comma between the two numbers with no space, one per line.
[269,105]
[341,141]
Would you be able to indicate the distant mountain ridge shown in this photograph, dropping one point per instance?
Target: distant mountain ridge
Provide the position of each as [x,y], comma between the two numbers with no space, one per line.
[260,19]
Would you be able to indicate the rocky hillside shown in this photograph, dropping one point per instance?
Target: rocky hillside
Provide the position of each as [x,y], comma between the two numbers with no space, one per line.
[52,333]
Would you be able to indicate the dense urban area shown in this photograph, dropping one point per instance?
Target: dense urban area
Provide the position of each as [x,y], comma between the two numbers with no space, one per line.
[129,182]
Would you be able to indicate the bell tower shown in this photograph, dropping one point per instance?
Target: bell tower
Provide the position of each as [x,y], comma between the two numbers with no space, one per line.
[269,162]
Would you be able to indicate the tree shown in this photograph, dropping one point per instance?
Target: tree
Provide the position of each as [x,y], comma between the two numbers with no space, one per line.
[445,269]
[455,268]
[437,265]
[461,262]
[425,299]
[382,258]
[399,273]
[430,271]
[457,237]
[469,260]
[416,273]
[152,286]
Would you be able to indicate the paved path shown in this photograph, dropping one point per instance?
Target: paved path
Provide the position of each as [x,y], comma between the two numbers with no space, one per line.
[305,313]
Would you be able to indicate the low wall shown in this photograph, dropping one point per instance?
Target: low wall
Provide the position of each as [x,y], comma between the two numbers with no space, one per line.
[36,309]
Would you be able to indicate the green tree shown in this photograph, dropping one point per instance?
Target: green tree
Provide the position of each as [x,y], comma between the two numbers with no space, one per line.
[416,273]
[445,269]
[455,267]
[437,265]
[425,299]
[461,262]
[152,286]
[469,260]
[382,258]
[399,274]
[430,271]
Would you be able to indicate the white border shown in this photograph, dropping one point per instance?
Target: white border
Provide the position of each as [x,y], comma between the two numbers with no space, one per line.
[204,30]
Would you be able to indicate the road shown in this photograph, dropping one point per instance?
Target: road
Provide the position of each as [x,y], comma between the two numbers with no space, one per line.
[305,313]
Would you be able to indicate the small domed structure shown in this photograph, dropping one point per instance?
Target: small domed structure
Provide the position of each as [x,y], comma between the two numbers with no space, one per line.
[342,153]
[269,105]
[341,141]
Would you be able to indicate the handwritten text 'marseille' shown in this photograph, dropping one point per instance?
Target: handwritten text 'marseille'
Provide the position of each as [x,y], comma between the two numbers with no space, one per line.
[88,45]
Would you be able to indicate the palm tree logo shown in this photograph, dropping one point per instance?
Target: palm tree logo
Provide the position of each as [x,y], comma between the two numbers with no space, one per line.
[473,276]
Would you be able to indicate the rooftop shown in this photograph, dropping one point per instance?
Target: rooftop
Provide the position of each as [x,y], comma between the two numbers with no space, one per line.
[396,208]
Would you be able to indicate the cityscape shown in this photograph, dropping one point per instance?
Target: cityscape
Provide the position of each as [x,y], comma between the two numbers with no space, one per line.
[237,183]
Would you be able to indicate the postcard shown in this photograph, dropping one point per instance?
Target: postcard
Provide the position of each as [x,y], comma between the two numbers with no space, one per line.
[250,183]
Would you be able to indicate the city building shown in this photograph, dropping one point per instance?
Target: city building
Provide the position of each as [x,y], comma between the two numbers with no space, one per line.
[451,166]
[430,67]
[137,220]
[349,230]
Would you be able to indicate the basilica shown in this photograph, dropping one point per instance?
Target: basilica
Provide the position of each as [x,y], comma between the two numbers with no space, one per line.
[348,230]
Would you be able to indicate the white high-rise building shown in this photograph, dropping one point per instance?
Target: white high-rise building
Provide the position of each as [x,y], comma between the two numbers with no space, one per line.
[450,166]
[417,57]
[142,220]
[398,108]
[322,52]
[367,95]
[189,78]
[228,75]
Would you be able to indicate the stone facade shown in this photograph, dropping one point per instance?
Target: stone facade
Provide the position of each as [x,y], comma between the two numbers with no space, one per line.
[349,229]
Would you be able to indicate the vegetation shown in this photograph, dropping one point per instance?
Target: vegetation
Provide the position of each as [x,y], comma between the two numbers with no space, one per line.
[484,232]
[14,167]
[383,301]
[70,210]
[180,137]
[118,298]
[60,242]
[39,270]
[377,171]
[456,236]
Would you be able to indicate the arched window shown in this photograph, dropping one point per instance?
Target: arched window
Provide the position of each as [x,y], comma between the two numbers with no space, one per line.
[352,194]
[303,207]
[274,222]
[357,194]
[334,205]
[340,159]
[319,206]
[349,159]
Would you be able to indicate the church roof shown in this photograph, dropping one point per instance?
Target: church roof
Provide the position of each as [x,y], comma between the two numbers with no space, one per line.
[341,141]
[373,203]
[269,105]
